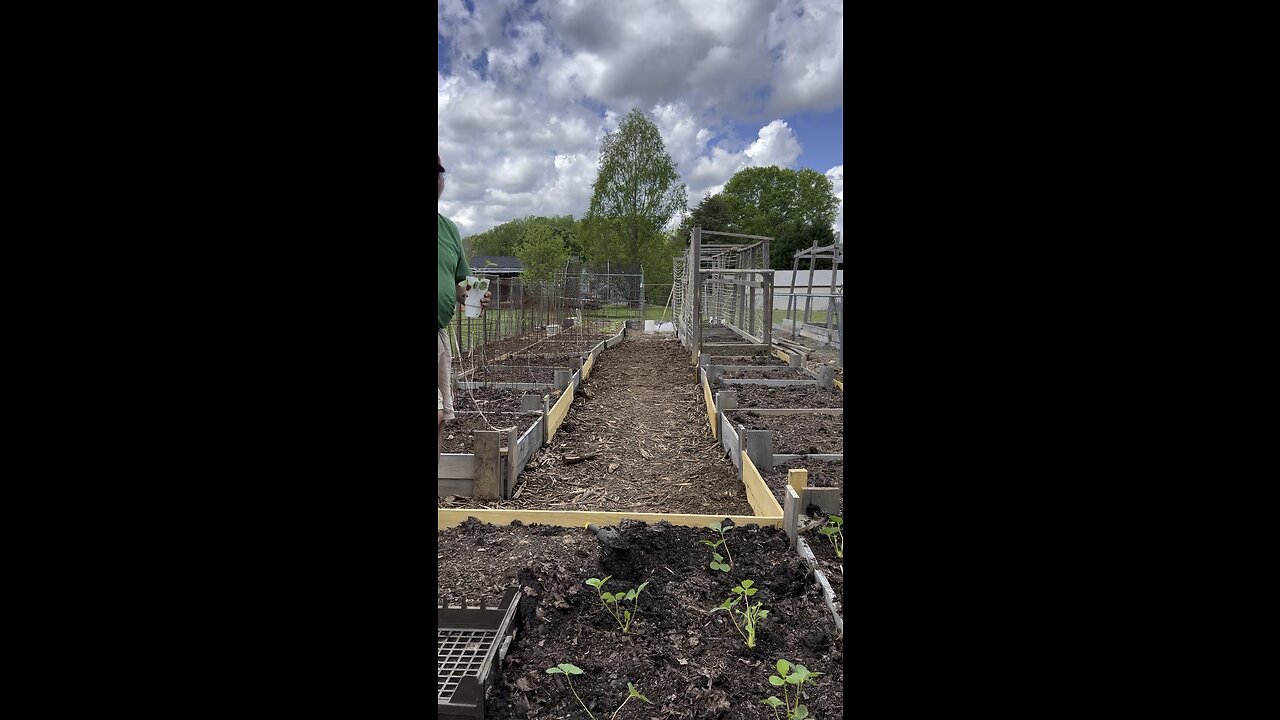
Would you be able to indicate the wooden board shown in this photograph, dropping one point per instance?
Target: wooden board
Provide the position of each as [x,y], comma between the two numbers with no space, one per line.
[578,519]
[509,386]
[733,349]
[461,488]
[711,407]
[558,411]
[528,445]
[730,441]
[758,493]
[783,356]
[825,457]
[828,595]
[586,367]
[794,411]
[839,385]
[771,383]
[456,466]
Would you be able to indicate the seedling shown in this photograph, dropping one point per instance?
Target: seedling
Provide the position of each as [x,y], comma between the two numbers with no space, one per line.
[716,562]
[751,614]
[834,534]
[788,674]
[569,670]
[613,601]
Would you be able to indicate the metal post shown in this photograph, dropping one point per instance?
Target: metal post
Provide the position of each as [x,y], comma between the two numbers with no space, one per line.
[831,292]
[695,250]
[768,303]
[793,307]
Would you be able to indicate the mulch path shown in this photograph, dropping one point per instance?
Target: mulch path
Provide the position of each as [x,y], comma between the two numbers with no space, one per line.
[644,417]
[798,396]
[795,434]
[690,663]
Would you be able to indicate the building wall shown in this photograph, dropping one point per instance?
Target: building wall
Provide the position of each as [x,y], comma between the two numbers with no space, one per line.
[821,284]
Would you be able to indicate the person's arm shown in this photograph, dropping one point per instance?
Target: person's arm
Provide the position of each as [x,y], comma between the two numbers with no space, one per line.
[461,272]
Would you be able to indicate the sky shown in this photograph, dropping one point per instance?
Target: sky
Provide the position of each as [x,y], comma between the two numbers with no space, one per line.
[526,90]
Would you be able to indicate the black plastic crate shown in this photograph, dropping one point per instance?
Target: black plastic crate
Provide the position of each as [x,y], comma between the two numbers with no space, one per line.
[470,645]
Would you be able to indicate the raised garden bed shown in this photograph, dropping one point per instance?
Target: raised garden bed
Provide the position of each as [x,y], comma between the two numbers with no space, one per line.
[762,360]
[765,373]
[821,474]
[689,662]
[801,434]
[796,396]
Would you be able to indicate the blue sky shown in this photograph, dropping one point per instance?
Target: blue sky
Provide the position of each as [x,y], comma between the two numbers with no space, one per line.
[526,90]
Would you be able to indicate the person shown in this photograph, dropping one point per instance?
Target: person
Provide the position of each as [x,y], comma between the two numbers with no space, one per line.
[451,289]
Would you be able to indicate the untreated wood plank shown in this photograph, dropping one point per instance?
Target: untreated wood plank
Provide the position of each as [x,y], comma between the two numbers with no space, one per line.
[828,500]
[543,387]
[510,465]
[798,479]
[488,472]
[711,408]
[577,519]
[759,496]
[771,383]
[827,377]
[839,384]
[730,441]
[558,412]
[820,579]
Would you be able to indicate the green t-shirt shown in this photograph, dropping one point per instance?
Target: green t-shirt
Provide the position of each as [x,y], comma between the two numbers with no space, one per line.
[453,268]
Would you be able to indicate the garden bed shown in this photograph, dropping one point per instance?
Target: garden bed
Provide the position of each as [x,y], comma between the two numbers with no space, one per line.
[825,553]
[765,373]
[690,663]
[640,426]
[459,433]
[795,434]
[822,473]
[795,396]
[762,360]
[502,373]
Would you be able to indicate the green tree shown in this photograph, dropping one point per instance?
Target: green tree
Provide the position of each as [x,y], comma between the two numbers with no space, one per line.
[795,207]
[715,212]
[636,192]
[541,252]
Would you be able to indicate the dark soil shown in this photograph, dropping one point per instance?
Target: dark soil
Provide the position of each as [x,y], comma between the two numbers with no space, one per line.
[831,566]
[645,419]
[690,663]
[795,434]
[489,400]
[766,360]
[797,396]
[767,373]
[495,372]
[459,433]
[821,474]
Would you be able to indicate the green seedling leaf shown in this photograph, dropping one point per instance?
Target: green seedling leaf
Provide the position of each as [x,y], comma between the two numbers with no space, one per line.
[801,712]
[636,693]
[784,667]
[715,526]
[609,598]
[772,702]
[717,556]
[554,671]
[631,595]
[828,531]
[763,614]
[720,566]
[626,614]
[752,591]
[836,519]
[567,669]
[774,680]
[748,583]
[643,585]
[715,544]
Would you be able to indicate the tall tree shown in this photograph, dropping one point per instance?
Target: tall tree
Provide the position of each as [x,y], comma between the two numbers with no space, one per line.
[637,189]
[796,207]
[541,253]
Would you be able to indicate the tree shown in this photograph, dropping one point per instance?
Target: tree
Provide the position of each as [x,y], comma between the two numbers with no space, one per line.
[503,239]
[795,207]
[541,253]
[636,192]
[715,212]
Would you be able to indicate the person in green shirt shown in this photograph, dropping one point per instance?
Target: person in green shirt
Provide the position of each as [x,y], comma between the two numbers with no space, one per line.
[453,270]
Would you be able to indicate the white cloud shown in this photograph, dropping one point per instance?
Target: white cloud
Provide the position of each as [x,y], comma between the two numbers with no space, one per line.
[836,176]
[531,89]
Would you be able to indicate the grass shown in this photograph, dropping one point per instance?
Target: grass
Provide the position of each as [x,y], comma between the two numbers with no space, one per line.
[816,317]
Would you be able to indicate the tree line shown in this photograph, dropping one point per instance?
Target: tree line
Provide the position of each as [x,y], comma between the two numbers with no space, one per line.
[637,193]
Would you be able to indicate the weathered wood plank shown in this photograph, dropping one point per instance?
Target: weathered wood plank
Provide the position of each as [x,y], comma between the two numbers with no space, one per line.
[824,457]
[508,386]
[759,445]
[828,500]
[733,349]
[820,579]
[827,377]
[791,514]
[759,496]
[488,473]
[729,438]
[456,465]
[509,467]
[528,445]
[577,519]
[558,412]
[454,486]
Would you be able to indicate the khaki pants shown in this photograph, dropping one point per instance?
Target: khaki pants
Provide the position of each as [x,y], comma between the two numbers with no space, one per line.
[444,376]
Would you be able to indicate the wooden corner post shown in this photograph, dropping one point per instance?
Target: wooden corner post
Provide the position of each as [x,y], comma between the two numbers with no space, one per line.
[759,447]
[487,472]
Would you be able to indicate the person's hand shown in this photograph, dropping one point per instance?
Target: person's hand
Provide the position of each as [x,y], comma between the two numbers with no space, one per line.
[484,299]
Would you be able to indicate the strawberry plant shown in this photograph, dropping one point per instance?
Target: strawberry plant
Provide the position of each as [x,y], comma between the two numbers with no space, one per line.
[788,674]
[751,614]
[613,601]
[569,670]
[834,534]
[716,559]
